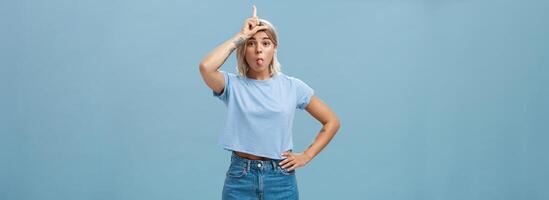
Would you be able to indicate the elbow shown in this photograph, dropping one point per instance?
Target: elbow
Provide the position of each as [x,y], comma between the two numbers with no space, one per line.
[202,66]
[337,124]
[206,67]
[334,123]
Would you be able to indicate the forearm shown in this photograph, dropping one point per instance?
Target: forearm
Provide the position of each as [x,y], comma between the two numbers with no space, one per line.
[324,137]
[219,55]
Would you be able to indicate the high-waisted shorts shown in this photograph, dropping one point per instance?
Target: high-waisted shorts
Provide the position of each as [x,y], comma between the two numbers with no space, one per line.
[258,179]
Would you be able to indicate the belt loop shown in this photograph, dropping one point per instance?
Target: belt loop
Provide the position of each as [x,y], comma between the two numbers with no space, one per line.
[248,163]
[274,164]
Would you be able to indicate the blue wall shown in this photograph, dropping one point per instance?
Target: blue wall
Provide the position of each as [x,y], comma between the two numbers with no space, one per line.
[438,99]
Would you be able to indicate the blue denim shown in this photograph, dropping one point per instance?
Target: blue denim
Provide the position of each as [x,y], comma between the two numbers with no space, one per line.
[259,180]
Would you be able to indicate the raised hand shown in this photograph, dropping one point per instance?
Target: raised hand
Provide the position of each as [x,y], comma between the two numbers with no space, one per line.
[251,25]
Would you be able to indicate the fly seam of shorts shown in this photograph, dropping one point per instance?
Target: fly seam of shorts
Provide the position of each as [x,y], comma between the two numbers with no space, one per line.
[274,164]
[260,181]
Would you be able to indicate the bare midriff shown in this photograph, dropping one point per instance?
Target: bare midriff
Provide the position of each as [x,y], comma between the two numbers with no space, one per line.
[250,156]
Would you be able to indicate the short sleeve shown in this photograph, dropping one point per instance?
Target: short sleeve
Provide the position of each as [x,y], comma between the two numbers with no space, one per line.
[304,94]
[223,96]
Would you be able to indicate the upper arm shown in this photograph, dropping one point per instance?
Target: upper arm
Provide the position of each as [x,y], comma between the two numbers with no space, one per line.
[320,111]
[213,79]
[303,93]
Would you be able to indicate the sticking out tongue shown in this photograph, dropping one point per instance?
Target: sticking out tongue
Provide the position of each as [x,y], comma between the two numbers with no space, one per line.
[259,62]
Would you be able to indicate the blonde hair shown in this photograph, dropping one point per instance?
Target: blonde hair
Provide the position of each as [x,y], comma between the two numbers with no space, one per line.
[242,66]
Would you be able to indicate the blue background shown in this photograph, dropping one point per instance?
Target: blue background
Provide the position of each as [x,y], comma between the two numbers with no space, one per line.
[438,99]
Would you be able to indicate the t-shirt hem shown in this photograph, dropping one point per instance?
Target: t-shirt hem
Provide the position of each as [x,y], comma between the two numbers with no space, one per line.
[230,148]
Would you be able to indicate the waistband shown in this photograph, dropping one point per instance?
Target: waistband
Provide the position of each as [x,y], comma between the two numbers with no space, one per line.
[255,163]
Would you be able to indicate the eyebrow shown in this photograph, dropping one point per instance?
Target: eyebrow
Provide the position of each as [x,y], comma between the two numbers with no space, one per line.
[261,38]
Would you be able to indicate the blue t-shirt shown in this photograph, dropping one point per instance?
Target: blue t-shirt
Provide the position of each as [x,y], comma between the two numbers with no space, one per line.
[260,113]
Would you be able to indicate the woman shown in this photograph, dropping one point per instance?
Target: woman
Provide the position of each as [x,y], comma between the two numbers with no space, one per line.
[261,104]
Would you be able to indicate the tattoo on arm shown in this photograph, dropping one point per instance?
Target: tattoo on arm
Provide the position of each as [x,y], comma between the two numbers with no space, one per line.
[238,41]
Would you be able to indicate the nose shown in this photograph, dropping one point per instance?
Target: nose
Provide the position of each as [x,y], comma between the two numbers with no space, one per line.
[258,49]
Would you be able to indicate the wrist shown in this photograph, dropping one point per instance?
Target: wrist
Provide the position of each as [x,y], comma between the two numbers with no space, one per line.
[238,39]
[309,155]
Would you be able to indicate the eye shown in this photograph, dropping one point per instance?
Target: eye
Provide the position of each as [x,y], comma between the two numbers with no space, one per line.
[251,43]
[266,43]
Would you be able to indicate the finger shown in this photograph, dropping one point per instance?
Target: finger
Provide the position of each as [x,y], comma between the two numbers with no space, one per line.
[284,162]
[292,168]
[254,11]
[289,167]
[291,163]
[251,25]
[260,28]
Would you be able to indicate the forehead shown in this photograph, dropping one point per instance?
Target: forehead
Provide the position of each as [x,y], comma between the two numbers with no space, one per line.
[260,35]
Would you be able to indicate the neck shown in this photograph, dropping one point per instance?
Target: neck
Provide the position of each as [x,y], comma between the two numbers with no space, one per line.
[264,75]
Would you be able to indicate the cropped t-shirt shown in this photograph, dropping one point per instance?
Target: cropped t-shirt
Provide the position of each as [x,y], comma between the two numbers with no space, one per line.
[260,113]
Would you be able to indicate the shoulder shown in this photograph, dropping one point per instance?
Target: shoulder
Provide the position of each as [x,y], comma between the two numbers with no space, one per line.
[288,78]
[292,80]
[231,77]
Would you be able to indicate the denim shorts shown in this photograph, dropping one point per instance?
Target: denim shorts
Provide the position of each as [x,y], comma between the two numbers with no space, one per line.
[258,179]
